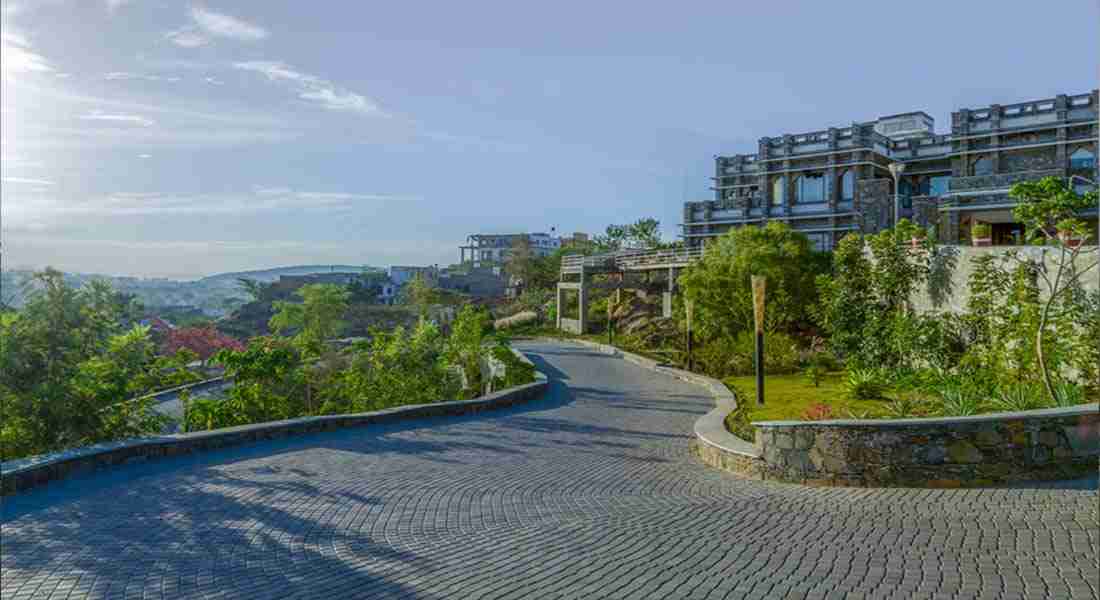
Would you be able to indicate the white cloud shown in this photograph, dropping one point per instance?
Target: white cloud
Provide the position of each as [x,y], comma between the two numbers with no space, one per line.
[187,37]
[16,56]
[213,81]
[145,156]
[24,180]
[40,212]
[126,76]
[226,26]
[113,5]
[312,88]
[118,118]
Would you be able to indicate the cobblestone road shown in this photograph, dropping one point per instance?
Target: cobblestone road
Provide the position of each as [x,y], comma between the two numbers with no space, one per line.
[587,493]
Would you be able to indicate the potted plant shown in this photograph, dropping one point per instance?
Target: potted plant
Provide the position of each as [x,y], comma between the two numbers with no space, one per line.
[917,236]
[1068,233]
[981,234]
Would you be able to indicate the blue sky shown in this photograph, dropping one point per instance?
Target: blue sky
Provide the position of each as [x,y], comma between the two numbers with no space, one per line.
[163,138]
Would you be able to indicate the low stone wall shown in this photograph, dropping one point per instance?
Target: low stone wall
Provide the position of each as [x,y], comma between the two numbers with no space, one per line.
[22,474]
[1062,443]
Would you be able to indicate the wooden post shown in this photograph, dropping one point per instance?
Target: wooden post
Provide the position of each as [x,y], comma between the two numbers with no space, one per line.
[758,288]
[610,322]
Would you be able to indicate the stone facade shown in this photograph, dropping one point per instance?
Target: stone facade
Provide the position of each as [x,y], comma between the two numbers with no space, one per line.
[959,452]
[963,171]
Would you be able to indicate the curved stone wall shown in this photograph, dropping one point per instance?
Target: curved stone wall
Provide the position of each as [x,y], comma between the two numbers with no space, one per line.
[21,474]
[1061,443]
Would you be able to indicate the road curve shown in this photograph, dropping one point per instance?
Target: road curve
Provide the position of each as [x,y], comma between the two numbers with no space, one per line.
[587,493]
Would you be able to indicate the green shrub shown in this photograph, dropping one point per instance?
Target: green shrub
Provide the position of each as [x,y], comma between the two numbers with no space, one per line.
[907,406]
[738,423]
[1068,394]
[1020,396]
[814,373]
[960,401]
[865,384]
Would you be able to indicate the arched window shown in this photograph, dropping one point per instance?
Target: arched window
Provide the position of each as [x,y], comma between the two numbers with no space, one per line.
[847,186]
[983,165]
[1082,159]
[779,195]
[810,188]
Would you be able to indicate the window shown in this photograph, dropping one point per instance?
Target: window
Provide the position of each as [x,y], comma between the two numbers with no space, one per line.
[937,186]
[1082,159]
[982,166]
[778,191]
[810,188]
[847,186]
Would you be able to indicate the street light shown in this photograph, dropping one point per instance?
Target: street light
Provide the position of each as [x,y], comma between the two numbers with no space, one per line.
[896,170]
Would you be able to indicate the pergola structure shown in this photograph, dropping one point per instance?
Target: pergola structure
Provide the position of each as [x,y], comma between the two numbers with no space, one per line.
[633,269]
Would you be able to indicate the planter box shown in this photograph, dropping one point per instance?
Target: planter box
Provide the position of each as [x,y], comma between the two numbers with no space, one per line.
[981,242]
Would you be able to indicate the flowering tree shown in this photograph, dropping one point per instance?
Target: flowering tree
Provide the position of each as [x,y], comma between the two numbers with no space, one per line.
[203,341]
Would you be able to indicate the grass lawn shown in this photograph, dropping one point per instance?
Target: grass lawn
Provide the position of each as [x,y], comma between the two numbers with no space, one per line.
[786,397]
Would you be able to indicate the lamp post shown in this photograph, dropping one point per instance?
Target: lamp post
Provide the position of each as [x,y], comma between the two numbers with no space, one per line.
[896,170]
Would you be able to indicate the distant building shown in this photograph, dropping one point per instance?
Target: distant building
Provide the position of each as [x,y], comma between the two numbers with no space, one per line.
[835,181]
[400,275]
[486,249]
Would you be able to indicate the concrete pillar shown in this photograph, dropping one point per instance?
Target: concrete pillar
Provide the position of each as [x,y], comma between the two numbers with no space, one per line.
[557,325]
[582,302]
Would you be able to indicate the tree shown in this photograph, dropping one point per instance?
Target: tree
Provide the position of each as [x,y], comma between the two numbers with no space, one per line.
[268,384]
[1049,210]
[719,283]
[71,370]
[464,346]
[419,292]
[204,341]
[317,318]
[257,290]
[644,234]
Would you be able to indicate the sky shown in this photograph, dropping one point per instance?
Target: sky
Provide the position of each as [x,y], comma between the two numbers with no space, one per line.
[178,139]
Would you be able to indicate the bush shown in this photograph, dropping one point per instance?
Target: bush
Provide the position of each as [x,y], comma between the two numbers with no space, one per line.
[727,356]
[738,423]
[865,384]
[818,412]
[1020,396]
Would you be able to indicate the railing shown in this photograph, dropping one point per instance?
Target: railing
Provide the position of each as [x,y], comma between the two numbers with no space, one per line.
[626,260]
[1001,180]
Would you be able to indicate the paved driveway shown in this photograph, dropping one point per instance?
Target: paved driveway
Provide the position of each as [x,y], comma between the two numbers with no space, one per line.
[586,493]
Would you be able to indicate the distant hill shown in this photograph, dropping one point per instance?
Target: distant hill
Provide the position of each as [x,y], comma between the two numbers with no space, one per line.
[267,275]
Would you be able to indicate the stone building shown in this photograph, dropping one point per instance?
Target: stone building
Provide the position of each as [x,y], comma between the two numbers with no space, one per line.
[834,181]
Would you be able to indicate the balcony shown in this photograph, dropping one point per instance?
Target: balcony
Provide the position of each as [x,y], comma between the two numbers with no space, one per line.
[1000,180]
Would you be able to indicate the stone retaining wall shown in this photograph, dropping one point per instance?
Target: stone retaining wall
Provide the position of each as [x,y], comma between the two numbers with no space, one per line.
[1062,443]
[25,473]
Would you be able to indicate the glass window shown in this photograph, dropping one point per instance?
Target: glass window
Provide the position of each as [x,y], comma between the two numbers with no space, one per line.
[1083,159]
[778,191]
[847,186]
[937,186]
[982,166]
[810,188]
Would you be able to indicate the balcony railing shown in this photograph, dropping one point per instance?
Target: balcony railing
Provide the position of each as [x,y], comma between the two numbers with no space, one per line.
[631,260]
[1001,180]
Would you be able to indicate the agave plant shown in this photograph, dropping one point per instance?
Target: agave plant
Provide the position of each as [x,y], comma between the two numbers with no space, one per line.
[865,384]
[1068,394]
[960,401]
[906,406]
[1020,396]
